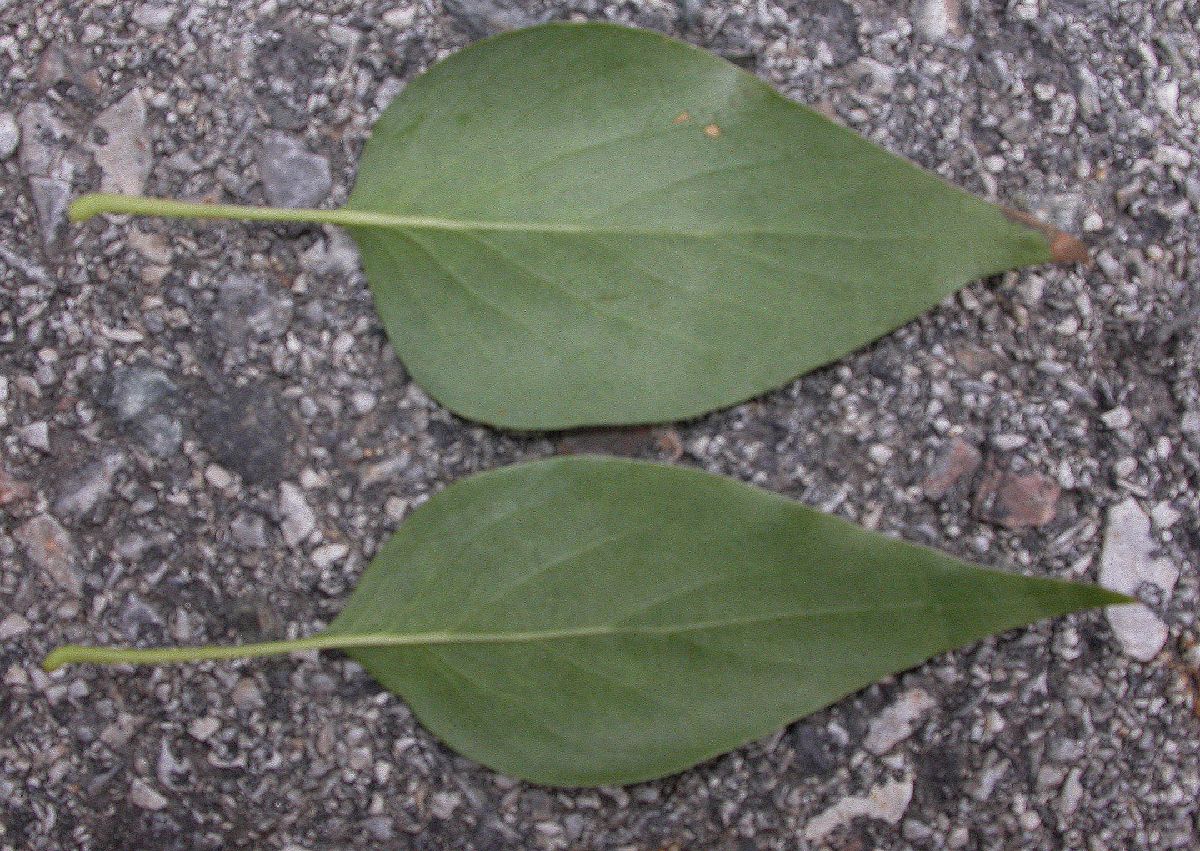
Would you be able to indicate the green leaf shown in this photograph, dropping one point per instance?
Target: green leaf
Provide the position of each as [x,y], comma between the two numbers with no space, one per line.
[579,225]
[583,621]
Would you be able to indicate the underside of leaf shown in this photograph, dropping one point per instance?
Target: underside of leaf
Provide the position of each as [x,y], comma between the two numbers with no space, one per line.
[584,621]
[584,224]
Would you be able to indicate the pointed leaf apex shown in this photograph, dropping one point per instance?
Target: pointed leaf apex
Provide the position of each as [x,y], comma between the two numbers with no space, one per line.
[1064,248]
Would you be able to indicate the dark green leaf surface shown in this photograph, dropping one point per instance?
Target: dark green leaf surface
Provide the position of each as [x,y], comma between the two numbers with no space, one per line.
[583,620]
[605,621]
[602,225]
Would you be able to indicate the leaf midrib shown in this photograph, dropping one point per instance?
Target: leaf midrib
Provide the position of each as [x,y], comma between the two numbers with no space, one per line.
[331,640]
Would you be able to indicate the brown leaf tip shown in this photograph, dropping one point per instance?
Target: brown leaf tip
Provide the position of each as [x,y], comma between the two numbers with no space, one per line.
[1064,248]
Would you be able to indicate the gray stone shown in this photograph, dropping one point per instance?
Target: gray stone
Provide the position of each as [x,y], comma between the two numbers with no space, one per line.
[42,142]
[142,402]
[124,156]
[245,432]
[249,532]
[12,626]
[51,198]
[82,492]
[481,18]
[292,176]
[246,307]
[51,550]
[137,391]
[143,795]
[10,135]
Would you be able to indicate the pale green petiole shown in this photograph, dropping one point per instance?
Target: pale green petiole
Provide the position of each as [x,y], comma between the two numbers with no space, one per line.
[70,654]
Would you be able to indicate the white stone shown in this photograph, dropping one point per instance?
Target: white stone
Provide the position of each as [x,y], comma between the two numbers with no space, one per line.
[218,476]
[400,18]
[936,19]
[1117,418]
[898,721]
[880,454]
[328,555]
[153,17]
[36,435]
[885,802]
[203,728]
[1164,515]
[298,519]
[141,794]
[1009,442]
[10,135]
[1127,561]
[12,626]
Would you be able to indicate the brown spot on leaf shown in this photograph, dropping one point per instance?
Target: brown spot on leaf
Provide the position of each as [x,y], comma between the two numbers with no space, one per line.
[712,131]
[1064,248]
[682,117]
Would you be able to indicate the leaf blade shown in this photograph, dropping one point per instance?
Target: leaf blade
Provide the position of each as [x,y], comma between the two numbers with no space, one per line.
[601,631]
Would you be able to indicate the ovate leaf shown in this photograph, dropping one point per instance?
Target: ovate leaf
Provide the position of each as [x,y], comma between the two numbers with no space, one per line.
[586,224]
[583,621]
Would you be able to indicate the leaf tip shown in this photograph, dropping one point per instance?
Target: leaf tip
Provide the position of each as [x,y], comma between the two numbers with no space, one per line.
[1064,248]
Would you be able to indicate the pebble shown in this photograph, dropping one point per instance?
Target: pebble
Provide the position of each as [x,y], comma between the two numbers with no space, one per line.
[299,521]
[141,794]
[249,532]
[203,729]
[1016,500]
[936,19]
[51,197]
[956,461]
[1127,561]
[247,696]
[245,432]
[886,802]
[1009,442]
[327,555]
[218,476]
[36,434]
[487,17]
[12,626]
[153,16]
[51,549]
[1117,418]
[141,400]
[124,156]
[443,804]
[880,454]
[898,721]
[10,135]
[248,308]
[82,492]
[292,176]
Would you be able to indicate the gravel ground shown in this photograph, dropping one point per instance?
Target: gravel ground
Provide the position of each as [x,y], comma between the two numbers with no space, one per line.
[199,425]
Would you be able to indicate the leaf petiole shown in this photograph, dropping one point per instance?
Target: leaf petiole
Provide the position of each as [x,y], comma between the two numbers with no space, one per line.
[96,203]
